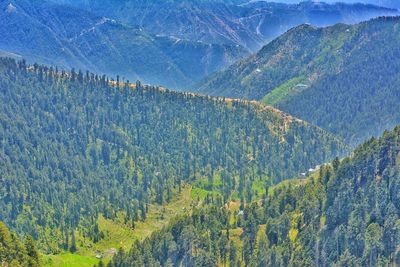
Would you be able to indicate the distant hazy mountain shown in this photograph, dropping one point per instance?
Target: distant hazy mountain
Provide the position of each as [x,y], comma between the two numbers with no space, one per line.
[387,3]
[384,3]
[228,22]
[70,37]
[342,78]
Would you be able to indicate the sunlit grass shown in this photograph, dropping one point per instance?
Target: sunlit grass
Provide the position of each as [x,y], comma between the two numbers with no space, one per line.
[119,235]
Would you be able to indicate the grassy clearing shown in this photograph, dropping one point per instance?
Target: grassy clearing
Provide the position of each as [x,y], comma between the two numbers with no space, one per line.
[118,234]
[281,92]
[199,193]
[67,260]
[258,187]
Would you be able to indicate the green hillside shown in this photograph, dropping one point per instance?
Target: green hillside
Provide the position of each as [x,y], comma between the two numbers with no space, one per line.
[273,159]
[346,213]
[342,78]
[119,234]
[75,146]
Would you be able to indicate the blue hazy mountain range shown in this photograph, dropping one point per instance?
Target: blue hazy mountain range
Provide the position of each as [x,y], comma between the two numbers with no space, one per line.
[172,43]
[384,3]
[248,24]
[69,37]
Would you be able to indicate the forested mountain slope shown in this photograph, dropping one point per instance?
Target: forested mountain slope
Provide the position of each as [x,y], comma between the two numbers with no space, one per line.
[342,78]
[69,37]
[73,146]
[249,24]
[345,214]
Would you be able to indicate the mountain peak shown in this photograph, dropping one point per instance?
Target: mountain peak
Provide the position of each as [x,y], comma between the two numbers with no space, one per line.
[303,27]
[11,8]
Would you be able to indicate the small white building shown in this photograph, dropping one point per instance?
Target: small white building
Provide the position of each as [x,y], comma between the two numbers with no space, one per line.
[301,85]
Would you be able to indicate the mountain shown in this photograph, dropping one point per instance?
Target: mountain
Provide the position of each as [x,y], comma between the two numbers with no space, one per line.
[249,24]
[69,37]
[389,3]
[345,214]
[176,44]
[383,3]
[272,19]
[342,78]
[76,145]
[205,21]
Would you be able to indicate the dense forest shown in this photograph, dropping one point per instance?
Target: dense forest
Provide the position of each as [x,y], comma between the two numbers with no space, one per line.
[342,78]
[286,152]
[15,253]
[74,145]
[345,214]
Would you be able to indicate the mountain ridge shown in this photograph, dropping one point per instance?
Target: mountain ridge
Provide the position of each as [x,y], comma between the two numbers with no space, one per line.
[250,24]
[70,37]
[308,67]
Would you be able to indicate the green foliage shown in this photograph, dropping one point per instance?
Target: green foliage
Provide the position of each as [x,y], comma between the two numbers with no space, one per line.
[75,145]
[344,217]
[68,260]
[15,253]
[350,82]
[283,91]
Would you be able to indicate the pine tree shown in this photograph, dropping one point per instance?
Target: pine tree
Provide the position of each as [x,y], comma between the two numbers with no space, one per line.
[73,248]
[31,251]
[105,151]
[335,164]
[232,254]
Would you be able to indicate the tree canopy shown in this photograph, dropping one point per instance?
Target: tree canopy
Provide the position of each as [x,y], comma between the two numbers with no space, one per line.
[74,145]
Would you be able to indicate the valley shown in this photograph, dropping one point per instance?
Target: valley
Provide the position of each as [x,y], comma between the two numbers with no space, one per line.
[104,159]
[185,133]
